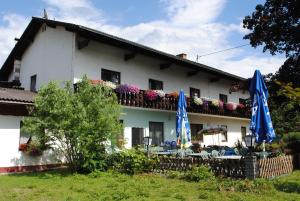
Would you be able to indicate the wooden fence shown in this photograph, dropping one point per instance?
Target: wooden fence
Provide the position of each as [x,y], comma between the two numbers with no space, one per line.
[273,167]
[228,167]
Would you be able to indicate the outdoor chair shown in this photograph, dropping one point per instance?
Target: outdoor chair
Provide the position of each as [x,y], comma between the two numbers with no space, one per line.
[236,151]
[204,155]
[214,153]
[222,152]
[188,151]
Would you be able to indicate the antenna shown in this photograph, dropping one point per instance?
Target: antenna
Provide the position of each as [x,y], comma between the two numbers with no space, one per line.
[45,14]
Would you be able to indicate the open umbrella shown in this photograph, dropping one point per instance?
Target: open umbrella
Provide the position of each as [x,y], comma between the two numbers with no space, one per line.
[183,130]
[260,124]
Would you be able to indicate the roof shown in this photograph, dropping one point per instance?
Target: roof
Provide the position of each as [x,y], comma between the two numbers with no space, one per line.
[35,24]
[16,96]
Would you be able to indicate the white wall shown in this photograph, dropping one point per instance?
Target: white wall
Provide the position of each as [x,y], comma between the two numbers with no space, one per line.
[95,56]
[233,126]
[49,56]
[135,117]
[10,156]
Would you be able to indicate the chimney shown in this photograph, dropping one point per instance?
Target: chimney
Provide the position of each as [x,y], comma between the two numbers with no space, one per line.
[17,67]
[182,55]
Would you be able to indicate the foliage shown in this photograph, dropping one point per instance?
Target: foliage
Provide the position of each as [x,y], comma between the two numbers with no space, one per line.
[231,106]
[276,25]
[76,123]
[200,173]
[127,88]
[292,141]
[197,101]
[130,162]
[160,93]
[61,185]
[151,95]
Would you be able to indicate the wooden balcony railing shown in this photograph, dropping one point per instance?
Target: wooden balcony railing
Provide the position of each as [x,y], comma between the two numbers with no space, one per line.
[170,103]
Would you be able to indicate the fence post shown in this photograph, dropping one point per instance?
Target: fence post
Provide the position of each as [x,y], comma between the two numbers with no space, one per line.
[251,167]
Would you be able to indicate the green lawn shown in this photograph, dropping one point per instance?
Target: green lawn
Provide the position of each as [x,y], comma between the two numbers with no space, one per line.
[61,185]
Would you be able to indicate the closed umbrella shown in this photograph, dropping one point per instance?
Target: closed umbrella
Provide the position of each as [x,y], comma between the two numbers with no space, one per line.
[183,130]
[260,124]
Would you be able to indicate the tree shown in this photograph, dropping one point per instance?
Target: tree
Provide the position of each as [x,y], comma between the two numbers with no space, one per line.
[77,123]
[276,24]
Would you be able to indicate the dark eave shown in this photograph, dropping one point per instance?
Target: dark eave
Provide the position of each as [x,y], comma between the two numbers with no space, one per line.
[36,23]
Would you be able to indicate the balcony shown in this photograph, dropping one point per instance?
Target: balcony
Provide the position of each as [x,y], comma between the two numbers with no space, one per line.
[169,103]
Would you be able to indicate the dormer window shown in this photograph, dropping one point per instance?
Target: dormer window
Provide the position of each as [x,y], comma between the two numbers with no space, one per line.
[111,76]
[155,84]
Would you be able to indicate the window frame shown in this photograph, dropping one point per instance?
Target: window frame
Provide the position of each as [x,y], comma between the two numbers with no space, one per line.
[197,125]
[111,72]
[221,99]
[153,80]
[195,89]
[243,136]
[162,126]
[33,78]
[225,134]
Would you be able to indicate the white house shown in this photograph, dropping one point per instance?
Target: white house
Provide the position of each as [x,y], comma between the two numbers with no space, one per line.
[53,50]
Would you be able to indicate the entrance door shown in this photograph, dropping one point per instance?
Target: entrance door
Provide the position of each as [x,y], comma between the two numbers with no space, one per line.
[156,131]
[137,136]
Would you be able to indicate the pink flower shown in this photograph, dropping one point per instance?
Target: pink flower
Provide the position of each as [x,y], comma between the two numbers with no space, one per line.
[151,95]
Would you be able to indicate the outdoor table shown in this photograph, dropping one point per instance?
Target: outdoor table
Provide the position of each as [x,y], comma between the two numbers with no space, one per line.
[229,157]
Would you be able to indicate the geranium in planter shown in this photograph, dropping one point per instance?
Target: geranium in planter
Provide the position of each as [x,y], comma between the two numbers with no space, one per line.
[231,106]
[110,85]
[197,101]
[160,93]
[173,94]
[151,95]
[215,103]
[127,88]
[221,105]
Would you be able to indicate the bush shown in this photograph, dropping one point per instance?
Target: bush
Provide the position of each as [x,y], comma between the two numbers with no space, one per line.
[130,161]
[292,141]
[199,173]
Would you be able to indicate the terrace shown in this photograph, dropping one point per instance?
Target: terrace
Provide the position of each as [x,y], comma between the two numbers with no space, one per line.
[169,102]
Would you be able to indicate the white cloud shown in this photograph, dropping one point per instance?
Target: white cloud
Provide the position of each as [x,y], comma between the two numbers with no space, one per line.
[13,27]
[190,26]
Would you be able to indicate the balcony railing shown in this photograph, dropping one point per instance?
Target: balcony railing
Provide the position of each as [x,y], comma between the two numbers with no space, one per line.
[170,103]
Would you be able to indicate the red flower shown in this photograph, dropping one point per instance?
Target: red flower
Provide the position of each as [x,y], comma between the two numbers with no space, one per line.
[23,147]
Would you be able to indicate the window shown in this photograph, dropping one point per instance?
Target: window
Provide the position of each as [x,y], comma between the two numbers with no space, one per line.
[137,136]
[112,76]
[242,101]
[243,131]
[24,137]
[195,132]
[224,134]
[33,83]
[155,84]
[156,132]
[194,92]
[223,98]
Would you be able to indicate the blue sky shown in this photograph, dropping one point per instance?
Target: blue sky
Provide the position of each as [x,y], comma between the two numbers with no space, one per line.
[195,27]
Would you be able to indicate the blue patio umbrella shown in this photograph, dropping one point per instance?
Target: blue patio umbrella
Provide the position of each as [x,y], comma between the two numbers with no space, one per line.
[183,130]
[260,124]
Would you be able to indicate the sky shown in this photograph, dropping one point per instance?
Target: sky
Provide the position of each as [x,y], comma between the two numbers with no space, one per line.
[194,27]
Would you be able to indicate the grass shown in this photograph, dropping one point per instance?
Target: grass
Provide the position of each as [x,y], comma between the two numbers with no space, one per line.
[62,185]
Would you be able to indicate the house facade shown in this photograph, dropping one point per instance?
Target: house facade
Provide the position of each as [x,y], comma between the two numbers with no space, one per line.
[52,50]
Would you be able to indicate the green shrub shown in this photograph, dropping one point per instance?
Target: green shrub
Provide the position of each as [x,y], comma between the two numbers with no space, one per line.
[130,161]
[292,141]
[199,173]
